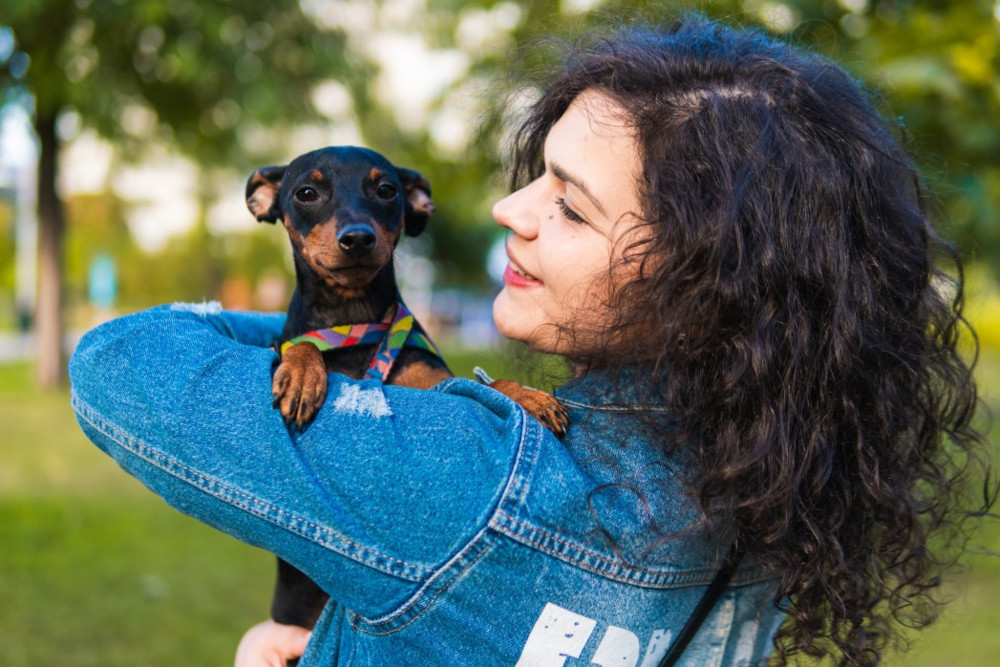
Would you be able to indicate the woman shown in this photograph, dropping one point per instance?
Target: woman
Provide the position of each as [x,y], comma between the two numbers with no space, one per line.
[726,242]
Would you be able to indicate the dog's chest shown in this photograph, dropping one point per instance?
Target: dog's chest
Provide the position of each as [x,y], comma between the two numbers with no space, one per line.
[351,361]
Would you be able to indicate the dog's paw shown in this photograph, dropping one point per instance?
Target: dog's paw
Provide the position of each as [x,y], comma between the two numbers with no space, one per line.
[541,405]
[299,384]
[553,414]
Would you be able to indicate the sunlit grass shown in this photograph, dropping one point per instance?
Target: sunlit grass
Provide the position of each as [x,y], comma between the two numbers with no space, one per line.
[112,579]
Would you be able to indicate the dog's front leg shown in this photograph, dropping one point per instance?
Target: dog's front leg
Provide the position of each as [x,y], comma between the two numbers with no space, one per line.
[299,384]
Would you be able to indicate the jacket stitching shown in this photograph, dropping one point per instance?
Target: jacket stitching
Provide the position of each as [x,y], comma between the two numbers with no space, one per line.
[608,568]
[357,620]
[252,504]
[521,485]
[524,526]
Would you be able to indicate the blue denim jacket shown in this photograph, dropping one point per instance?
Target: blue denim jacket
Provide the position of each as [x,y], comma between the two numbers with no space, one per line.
[448,527]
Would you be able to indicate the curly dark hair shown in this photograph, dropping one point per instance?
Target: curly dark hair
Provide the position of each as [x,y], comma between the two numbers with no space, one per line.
[803,328]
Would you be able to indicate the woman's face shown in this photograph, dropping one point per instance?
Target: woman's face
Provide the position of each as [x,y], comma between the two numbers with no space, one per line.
[567,227]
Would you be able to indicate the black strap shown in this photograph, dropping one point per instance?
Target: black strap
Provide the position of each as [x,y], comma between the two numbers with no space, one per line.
[705,605]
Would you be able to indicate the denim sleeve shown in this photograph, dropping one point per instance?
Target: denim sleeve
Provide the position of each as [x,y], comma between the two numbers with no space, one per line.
[382,489]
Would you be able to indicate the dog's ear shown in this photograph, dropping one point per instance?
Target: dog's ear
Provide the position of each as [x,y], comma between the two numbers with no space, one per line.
[262,193]
[419,207]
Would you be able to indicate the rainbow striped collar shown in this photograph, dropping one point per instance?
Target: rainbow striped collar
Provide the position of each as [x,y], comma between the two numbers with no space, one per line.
[397,329]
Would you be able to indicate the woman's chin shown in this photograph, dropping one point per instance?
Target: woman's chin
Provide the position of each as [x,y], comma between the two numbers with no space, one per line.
[506,316]
[525,322]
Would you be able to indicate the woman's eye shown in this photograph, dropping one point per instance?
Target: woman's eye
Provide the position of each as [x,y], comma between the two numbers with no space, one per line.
[386,191]
[306,194]
[569,213]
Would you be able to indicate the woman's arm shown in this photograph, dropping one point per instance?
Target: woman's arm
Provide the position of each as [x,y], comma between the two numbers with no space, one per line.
[248,328]
[385,486]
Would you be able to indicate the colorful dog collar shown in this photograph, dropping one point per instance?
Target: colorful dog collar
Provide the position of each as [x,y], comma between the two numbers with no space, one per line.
[397,329]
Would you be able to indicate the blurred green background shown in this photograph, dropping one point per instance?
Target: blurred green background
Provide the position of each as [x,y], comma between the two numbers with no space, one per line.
[127,132]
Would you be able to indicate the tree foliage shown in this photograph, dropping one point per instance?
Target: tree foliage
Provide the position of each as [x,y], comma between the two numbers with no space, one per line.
[201,74]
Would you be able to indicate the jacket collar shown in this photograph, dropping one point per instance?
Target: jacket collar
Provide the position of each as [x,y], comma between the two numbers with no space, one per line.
[612,389]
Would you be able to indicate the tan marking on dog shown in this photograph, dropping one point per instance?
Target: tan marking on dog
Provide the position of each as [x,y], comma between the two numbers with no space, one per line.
[417,375]
[375,174]
[293,233]
[316,175]
[321,252]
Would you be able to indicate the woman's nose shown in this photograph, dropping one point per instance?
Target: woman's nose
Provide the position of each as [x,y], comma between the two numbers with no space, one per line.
[515,213]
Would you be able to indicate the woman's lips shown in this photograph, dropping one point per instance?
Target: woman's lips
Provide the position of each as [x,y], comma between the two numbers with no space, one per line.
[515,276]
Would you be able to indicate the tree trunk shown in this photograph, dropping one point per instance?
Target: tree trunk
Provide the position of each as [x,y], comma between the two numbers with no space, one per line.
[49,326]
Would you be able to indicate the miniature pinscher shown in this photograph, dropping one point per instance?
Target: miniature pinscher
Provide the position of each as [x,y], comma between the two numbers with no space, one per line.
[345,209]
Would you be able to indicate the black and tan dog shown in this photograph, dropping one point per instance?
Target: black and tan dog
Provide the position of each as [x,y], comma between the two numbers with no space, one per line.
[345,209]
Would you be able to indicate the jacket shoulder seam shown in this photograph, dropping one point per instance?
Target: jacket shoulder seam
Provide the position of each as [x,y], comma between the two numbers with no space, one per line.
[466,557]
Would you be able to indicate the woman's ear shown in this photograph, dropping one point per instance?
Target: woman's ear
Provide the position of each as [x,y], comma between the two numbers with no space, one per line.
[419,207]
[263,189]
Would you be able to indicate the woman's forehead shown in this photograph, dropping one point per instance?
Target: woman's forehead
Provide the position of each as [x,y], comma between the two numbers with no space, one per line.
[594,143]
[594,116]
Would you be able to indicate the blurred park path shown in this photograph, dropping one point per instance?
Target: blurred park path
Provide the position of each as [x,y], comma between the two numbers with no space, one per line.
[16,347]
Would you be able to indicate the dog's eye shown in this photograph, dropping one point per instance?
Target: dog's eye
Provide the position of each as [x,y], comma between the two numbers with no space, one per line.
[386,191]
[307,194]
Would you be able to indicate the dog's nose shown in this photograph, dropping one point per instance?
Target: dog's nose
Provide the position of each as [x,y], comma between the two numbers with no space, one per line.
[356,240]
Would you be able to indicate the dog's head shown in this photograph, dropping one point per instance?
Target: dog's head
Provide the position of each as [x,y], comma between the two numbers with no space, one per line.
[344,208]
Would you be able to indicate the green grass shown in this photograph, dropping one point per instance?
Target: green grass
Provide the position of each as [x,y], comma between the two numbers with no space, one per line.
[94,570]
[97,581]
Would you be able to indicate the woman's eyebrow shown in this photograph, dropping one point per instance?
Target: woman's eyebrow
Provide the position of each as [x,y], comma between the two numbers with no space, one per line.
[567,177]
